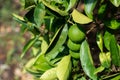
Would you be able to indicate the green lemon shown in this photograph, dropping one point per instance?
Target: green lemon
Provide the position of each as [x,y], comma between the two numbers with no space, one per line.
[76,33]
[73,46]
[75,55]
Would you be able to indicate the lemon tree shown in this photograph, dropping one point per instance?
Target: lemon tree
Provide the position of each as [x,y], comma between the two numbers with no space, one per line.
[72,39]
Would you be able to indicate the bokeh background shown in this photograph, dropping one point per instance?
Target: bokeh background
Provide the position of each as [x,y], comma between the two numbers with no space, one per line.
[12,42]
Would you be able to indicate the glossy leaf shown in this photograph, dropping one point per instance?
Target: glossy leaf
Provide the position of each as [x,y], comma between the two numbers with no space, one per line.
[100,41]
[86,60]
[39,14]
[41,63]
[107,39]
[62,38]
[89,7]
[105,59]
[115,2]
[49,75]
[28,45]
[80,18]
[115,52]
[64,67]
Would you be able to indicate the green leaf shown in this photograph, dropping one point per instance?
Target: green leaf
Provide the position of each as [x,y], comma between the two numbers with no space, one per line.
[116,3]
[28,68]
[29,3]
[64,67]
[30,63]
[19,19]
[112,24]
[54,8]
[49,75]
[71,4]
[116,78]
[100,41]
[82,78]
[62,38]
[86,60]
[107,39]
[48,22]
[115,52]
[41,63]
[101,11]
[80,18]
[89,7]
[99,69]
[28,45]
[105,59]
[39,14]
[34,72]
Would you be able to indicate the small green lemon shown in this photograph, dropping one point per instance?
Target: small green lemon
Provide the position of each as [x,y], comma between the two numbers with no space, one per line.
[75,55]
[76,33]
[73,46]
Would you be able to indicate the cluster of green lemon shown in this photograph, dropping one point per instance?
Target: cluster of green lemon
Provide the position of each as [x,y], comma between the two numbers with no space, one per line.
[76,36]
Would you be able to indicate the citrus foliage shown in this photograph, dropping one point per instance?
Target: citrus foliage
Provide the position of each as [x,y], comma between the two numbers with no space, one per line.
[60,41]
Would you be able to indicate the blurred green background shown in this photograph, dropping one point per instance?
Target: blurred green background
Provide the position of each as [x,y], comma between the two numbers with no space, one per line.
[11,41]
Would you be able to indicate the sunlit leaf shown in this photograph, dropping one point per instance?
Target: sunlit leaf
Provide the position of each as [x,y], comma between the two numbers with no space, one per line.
[100,41]
[89,7]
[86,60]
[41,63]
[80,18]
[115,2]
[105,59]
[114,50]
[116,78]
[64,67]
[71,4]
[49,75]
[99,69]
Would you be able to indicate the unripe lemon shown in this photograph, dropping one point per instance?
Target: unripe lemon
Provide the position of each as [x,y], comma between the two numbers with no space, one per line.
[75,55]
[76,33]
[73,46]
